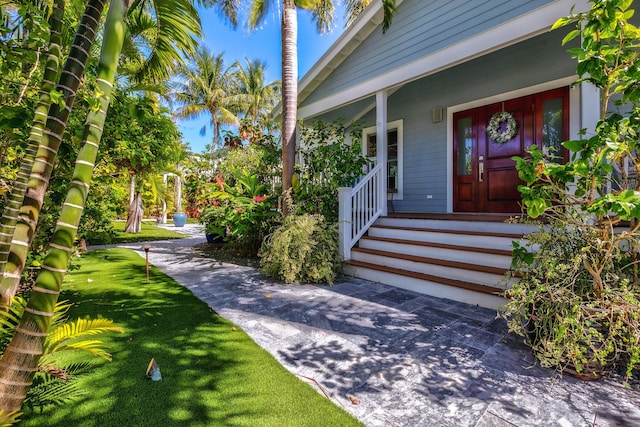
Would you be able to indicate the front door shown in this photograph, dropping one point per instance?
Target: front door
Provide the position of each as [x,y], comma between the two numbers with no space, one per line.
[485,178]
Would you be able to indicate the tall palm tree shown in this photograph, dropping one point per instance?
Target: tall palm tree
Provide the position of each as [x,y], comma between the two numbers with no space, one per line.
[255,99]
[206,86]
[323,14]
[20,359]
[56,122]
[16,196]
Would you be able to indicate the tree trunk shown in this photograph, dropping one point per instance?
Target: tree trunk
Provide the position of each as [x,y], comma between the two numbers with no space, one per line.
[20,359]
[132,189]
[51,139]
[134,219]
[16,197]
[289,94]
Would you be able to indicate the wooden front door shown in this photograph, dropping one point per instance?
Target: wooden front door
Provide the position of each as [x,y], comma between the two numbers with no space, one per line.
[485,178]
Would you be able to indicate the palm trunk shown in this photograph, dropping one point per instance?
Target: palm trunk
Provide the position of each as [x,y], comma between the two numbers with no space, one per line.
[16,197]
[20,359]
[289,93]
[51,139]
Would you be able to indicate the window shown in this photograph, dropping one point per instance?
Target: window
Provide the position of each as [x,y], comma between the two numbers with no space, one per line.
[394,156]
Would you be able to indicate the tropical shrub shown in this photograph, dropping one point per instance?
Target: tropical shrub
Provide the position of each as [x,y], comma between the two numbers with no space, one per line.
[240,198]
[556,305]
[304,249]
[328,163]
[578,299]
[244,213]
[259,155]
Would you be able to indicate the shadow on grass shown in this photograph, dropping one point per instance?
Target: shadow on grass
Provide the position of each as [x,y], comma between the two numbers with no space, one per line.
[213,374]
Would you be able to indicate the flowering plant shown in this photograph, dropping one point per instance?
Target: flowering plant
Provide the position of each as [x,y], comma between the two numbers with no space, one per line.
[243,213]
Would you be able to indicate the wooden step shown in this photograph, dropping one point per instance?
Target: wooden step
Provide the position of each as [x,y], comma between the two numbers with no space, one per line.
[514,236]
[484,250]
[484,289]
[436,261]
[448,237]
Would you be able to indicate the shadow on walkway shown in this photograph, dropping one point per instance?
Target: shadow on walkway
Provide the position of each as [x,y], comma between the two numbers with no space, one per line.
[397,358]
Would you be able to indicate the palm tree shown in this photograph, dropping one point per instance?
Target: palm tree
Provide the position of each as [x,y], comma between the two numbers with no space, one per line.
[21,356]
[40,173]
[174,33]
[255,98]
[206,86]
[16,196]
[323,14]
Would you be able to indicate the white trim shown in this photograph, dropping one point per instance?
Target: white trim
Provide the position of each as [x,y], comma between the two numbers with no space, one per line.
[394,125]
[511,32]
[574,108]
[365,24]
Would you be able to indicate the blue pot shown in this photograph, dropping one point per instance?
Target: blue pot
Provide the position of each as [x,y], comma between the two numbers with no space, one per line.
[179,219]
[213,237]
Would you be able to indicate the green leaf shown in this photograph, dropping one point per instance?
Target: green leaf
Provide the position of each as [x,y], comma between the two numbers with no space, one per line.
[572,35]
[561,23]
[535,207]
[573,145]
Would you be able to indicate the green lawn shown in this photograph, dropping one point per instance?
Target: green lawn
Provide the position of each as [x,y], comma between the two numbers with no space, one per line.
[148,232]
[213,373]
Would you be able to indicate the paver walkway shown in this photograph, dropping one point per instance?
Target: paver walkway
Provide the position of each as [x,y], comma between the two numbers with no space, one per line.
[393,357]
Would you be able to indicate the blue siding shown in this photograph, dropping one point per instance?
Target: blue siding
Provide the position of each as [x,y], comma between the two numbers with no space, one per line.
[420,28]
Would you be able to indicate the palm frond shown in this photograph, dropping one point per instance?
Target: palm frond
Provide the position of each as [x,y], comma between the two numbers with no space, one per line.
[51,390]
[257,12]
[229,9]
[323,13]
[178,29]
[9,418]
[64,337]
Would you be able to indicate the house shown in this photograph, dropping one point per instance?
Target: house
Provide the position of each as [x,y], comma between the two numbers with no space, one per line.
[448,96]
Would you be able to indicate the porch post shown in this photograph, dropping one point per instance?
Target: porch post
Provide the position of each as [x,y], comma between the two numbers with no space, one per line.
[344,221]
[381,146]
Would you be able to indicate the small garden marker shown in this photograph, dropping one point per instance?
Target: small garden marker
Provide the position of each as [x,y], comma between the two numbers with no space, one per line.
[153,371]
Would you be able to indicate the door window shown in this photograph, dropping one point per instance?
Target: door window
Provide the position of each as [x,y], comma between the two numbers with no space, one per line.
[465,146]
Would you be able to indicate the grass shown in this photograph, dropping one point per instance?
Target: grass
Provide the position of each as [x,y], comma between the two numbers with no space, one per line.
[148,232]
[213,373]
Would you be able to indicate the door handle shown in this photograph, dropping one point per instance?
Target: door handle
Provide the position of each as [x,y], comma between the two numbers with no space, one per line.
[481,169]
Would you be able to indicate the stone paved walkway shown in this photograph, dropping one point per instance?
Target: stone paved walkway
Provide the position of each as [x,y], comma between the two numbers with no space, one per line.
[393,357]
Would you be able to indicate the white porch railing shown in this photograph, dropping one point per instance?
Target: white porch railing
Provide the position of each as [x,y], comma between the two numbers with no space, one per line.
[360,206]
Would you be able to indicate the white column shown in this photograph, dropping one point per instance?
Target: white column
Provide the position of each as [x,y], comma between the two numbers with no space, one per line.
[164,202]
[381,146]
[589,106]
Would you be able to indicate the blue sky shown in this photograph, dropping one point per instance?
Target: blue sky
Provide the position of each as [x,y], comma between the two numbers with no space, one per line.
[264,44]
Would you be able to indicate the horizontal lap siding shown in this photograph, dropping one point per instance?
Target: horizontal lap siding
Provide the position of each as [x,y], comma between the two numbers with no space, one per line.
[420,28]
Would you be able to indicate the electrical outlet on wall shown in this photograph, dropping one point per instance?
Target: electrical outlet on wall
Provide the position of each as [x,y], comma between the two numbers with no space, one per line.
[429,196]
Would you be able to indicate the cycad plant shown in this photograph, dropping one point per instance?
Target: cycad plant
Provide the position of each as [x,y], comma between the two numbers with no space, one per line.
[64,351]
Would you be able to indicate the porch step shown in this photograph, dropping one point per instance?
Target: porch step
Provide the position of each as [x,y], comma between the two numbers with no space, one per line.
[461,260]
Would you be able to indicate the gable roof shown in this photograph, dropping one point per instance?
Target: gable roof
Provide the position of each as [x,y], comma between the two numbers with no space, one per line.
[370,19]
[505,33]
